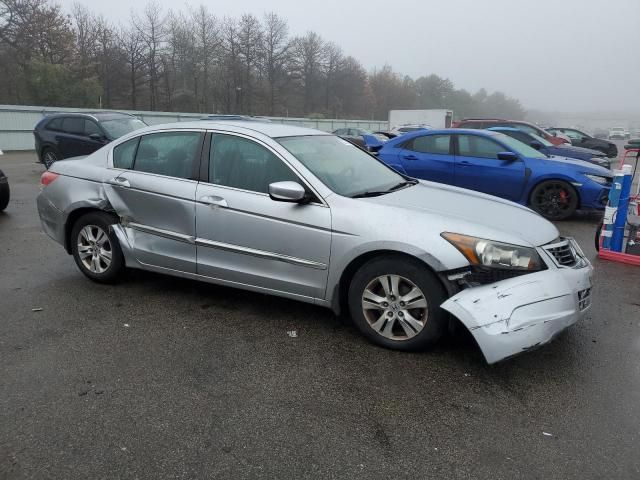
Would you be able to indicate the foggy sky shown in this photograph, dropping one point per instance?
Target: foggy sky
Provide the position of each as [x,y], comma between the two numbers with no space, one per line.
[562,55]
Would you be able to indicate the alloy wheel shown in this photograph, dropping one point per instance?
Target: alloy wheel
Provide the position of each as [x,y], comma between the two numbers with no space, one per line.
[553,199]
[395,307]
[49,158]
[94,249]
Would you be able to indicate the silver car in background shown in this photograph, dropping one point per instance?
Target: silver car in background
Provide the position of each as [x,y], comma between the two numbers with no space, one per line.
[306,215]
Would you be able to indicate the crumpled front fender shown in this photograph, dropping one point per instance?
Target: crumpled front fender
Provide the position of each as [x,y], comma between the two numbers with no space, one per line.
[518,314]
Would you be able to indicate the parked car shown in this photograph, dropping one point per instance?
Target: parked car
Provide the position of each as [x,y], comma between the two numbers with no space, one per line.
[567,151]
[499,165]
[582,139]
[5,192]
[413,127]
[524,126]
[617,133]
[361,137]
[281,210]
[66,135]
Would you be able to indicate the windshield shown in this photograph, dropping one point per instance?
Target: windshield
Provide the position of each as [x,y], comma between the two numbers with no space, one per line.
[121,126]
[543,141]
[518,147]
[341,166]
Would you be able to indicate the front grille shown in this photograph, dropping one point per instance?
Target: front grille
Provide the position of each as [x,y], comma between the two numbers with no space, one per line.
[563,253]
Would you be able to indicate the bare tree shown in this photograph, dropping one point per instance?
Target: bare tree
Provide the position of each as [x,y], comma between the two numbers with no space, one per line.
[207,45]
[309,55]
[276,50]
[152,29]
[131,45]
[333,61]
[249,48]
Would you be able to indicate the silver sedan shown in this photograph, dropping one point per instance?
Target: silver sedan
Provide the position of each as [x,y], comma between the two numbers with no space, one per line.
[306,215]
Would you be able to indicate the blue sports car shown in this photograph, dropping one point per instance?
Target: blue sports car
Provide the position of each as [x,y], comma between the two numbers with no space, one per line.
[499,165]
[548,148]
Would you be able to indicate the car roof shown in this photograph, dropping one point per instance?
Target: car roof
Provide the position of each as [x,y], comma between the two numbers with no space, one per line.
[505,129]
[92,115]
[445,131]
[273,130]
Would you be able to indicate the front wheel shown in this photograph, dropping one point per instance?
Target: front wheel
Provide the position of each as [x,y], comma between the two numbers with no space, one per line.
[95,248]
[554,199]
[395,302]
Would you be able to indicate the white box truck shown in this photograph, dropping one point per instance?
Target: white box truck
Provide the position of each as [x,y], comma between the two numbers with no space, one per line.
[434,118]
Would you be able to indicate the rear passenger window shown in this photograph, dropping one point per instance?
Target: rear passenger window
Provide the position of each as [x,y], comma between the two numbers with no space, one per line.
[241,163]
[173,154]
[476,146]
[438,144]
[55,124]
[124,154]
[73,125]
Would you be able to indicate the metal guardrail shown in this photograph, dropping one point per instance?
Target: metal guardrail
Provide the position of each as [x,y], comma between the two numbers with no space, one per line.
[17,122]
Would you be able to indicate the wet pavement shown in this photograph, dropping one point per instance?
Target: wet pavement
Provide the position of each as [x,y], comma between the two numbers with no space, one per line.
[161,377]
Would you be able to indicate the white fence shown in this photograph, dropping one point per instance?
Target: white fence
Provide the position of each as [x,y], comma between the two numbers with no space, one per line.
[17,122]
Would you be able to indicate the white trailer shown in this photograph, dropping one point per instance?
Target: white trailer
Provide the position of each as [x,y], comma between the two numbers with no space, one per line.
[435,118]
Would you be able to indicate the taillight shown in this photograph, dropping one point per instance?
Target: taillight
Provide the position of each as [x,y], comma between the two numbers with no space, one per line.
[47,178]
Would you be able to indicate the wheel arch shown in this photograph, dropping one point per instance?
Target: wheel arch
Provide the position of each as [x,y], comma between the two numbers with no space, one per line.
[73,217]
[340,293]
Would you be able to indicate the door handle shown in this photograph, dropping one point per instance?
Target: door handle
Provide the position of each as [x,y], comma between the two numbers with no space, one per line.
[119,181]
[214,201]
[410,157]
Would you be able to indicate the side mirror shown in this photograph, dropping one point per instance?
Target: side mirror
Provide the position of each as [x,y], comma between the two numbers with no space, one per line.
[287,192]
[96,136]
[536,144]
[507,156]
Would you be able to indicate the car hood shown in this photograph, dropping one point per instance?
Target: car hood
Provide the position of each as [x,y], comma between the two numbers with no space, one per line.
[584,167]
[580,150]
[477,211]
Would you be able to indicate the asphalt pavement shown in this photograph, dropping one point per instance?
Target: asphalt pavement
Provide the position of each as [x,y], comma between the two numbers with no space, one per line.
[165,378]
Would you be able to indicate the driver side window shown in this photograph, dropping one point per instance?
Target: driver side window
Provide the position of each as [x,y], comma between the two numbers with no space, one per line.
[476,146]
[242,163]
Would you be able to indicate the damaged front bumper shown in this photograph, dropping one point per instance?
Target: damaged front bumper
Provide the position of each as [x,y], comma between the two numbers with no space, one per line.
[515,315]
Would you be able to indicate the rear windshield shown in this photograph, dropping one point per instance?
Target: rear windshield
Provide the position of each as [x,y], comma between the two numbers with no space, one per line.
[118,127]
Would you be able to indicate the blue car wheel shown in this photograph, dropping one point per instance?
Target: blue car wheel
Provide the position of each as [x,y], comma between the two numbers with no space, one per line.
[554,199]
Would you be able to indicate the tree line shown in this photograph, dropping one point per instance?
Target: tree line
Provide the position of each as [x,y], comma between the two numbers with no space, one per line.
[197,62]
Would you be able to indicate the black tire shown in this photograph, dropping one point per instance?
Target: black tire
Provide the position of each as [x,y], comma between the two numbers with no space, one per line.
[597,239]
[96,221]
[5,192]
[554,199]
[49,157]
[434,320]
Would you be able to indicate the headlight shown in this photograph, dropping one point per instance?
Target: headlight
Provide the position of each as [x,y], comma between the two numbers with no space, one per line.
[495,254]
[598,179]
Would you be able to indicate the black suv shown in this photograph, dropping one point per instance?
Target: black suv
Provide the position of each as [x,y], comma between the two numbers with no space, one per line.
[66,135]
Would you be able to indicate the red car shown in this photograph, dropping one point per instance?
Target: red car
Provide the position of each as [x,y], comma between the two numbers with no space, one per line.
[497,122]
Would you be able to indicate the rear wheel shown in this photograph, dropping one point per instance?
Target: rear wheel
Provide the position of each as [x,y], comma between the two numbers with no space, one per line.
[95,248]
[554,199]
[49,157]
[395,302]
